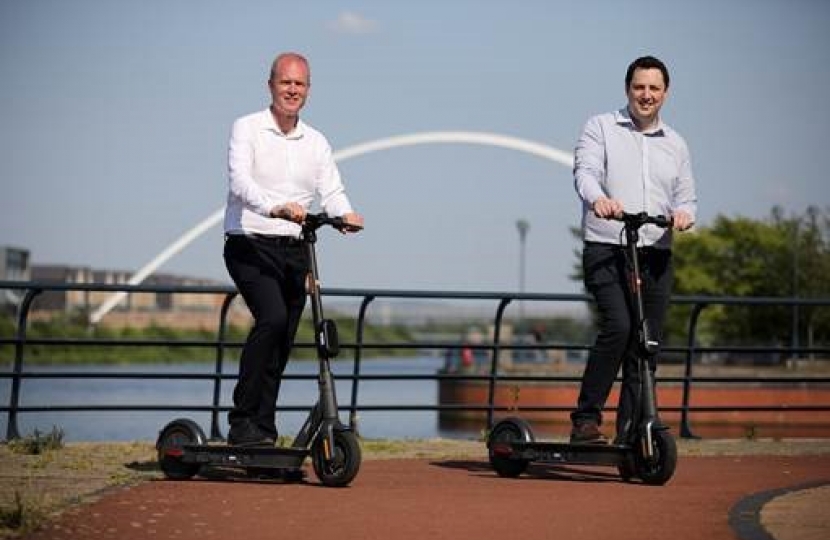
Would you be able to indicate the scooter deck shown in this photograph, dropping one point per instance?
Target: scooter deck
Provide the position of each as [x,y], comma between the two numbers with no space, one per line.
[551,452]
[241,456]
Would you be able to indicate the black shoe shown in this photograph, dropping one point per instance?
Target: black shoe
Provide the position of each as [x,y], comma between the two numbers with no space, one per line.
[587,432]
[247,434]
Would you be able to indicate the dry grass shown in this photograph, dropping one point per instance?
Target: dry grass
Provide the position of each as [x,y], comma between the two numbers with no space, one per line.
[35,487]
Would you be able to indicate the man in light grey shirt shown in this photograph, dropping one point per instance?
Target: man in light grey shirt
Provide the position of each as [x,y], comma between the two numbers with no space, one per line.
[627,161]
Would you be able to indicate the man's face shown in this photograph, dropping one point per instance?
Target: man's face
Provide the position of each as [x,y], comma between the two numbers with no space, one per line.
[646,94]
[289,87]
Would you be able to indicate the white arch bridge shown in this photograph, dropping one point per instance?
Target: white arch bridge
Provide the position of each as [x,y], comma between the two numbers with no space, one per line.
[413,139]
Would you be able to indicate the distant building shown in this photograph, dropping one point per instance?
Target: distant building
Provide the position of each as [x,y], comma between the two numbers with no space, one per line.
[137,309]
[14,266]
[85,301]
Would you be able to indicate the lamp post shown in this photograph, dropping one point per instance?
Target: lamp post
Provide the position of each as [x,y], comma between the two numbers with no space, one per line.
[794,339]
[523,226]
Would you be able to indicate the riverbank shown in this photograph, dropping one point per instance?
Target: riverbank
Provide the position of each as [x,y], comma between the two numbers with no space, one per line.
[725,401]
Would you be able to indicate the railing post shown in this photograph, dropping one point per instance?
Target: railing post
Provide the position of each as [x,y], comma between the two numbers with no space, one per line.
[12,431]
[685,430]
[215,432]
[494,365]
[358,353]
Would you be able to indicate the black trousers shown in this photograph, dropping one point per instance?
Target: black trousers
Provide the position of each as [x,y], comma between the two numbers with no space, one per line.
[270,275]
[606,272]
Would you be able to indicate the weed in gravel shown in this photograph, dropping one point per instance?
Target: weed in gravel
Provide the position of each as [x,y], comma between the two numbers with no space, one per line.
[21,515]
[37,442]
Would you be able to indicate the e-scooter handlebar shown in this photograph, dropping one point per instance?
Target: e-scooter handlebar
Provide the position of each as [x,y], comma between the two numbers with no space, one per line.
[315,221]
[639,219]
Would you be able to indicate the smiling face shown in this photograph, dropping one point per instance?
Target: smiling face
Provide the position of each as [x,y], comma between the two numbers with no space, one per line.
[289,84]
[646,93]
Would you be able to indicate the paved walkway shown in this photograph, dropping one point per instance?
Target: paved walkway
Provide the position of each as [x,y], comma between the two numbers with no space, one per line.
[709,497]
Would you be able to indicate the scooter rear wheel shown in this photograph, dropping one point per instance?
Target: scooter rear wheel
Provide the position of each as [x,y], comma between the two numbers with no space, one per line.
[506,432]
[659,469]
[344,464]
[170,444]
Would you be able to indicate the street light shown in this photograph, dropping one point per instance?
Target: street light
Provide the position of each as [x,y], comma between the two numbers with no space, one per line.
[794,339]
[523,226]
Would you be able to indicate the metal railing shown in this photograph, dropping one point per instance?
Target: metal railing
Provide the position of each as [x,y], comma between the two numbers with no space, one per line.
[31,290]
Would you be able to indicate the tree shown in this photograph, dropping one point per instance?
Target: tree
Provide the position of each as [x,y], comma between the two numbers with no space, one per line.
[778,257]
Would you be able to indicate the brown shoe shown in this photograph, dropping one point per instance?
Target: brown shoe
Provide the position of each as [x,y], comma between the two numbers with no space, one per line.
[587,433]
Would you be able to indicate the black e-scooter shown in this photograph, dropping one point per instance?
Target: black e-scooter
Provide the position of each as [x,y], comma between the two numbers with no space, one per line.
[183,449]
[646,451]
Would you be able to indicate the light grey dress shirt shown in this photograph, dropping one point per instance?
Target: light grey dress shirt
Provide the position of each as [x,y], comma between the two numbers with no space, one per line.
[647,172]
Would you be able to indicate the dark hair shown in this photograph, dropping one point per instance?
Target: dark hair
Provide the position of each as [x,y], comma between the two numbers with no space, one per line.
[646,62]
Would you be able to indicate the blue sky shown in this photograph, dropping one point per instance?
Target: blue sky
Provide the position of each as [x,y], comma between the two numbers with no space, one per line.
[114,119]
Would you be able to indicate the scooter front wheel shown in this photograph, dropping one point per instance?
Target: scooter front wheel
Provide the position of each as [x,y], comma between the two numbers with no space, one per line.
[342,466]
[499,446]
[659,468]
[170,450]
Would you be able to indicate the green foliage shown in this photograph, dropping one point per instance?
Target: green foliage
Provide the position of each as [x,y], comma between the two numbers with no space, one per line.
[734,257]
[776,257]
[61,327]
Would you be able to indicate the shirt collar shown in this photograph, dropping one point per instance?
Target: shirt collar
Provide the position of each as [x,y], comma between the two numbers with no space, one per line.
[269,124]
[623,117]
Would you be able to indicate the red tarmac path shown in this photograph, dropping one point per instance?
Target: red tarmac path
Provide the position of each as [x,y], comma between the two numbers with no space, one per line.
[457,499]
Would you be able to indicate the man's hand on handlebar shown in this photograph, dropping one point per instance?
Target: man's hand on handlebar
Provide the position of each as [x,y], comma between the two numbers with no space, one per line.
[682,220]
[290,211]
[352,222]
[607,208]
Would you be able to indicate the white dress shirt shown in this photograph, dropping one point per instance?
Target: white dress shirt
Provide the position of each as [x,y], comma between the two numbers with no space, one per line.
[267,168]
[647,172]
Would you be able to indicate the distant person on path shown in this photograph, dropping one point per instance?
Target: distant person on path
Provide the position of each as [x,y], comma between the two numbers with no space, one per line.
[277,165]
[628,160]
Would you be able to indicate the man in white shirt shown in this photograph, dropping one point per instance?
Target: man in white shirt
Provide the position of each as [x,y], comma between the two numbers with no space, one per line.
[628,160]
[277,166]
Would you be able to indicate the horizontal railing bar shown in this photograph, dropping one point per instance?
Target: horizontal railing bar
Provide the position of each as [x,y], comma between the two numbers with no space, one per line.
[422,407]
[406,377]
[115,342]
[416,294]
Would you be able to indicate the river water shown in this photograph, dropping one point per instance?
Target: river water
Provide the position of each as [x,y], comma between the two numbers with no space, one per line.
[145,425]
[141,425]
